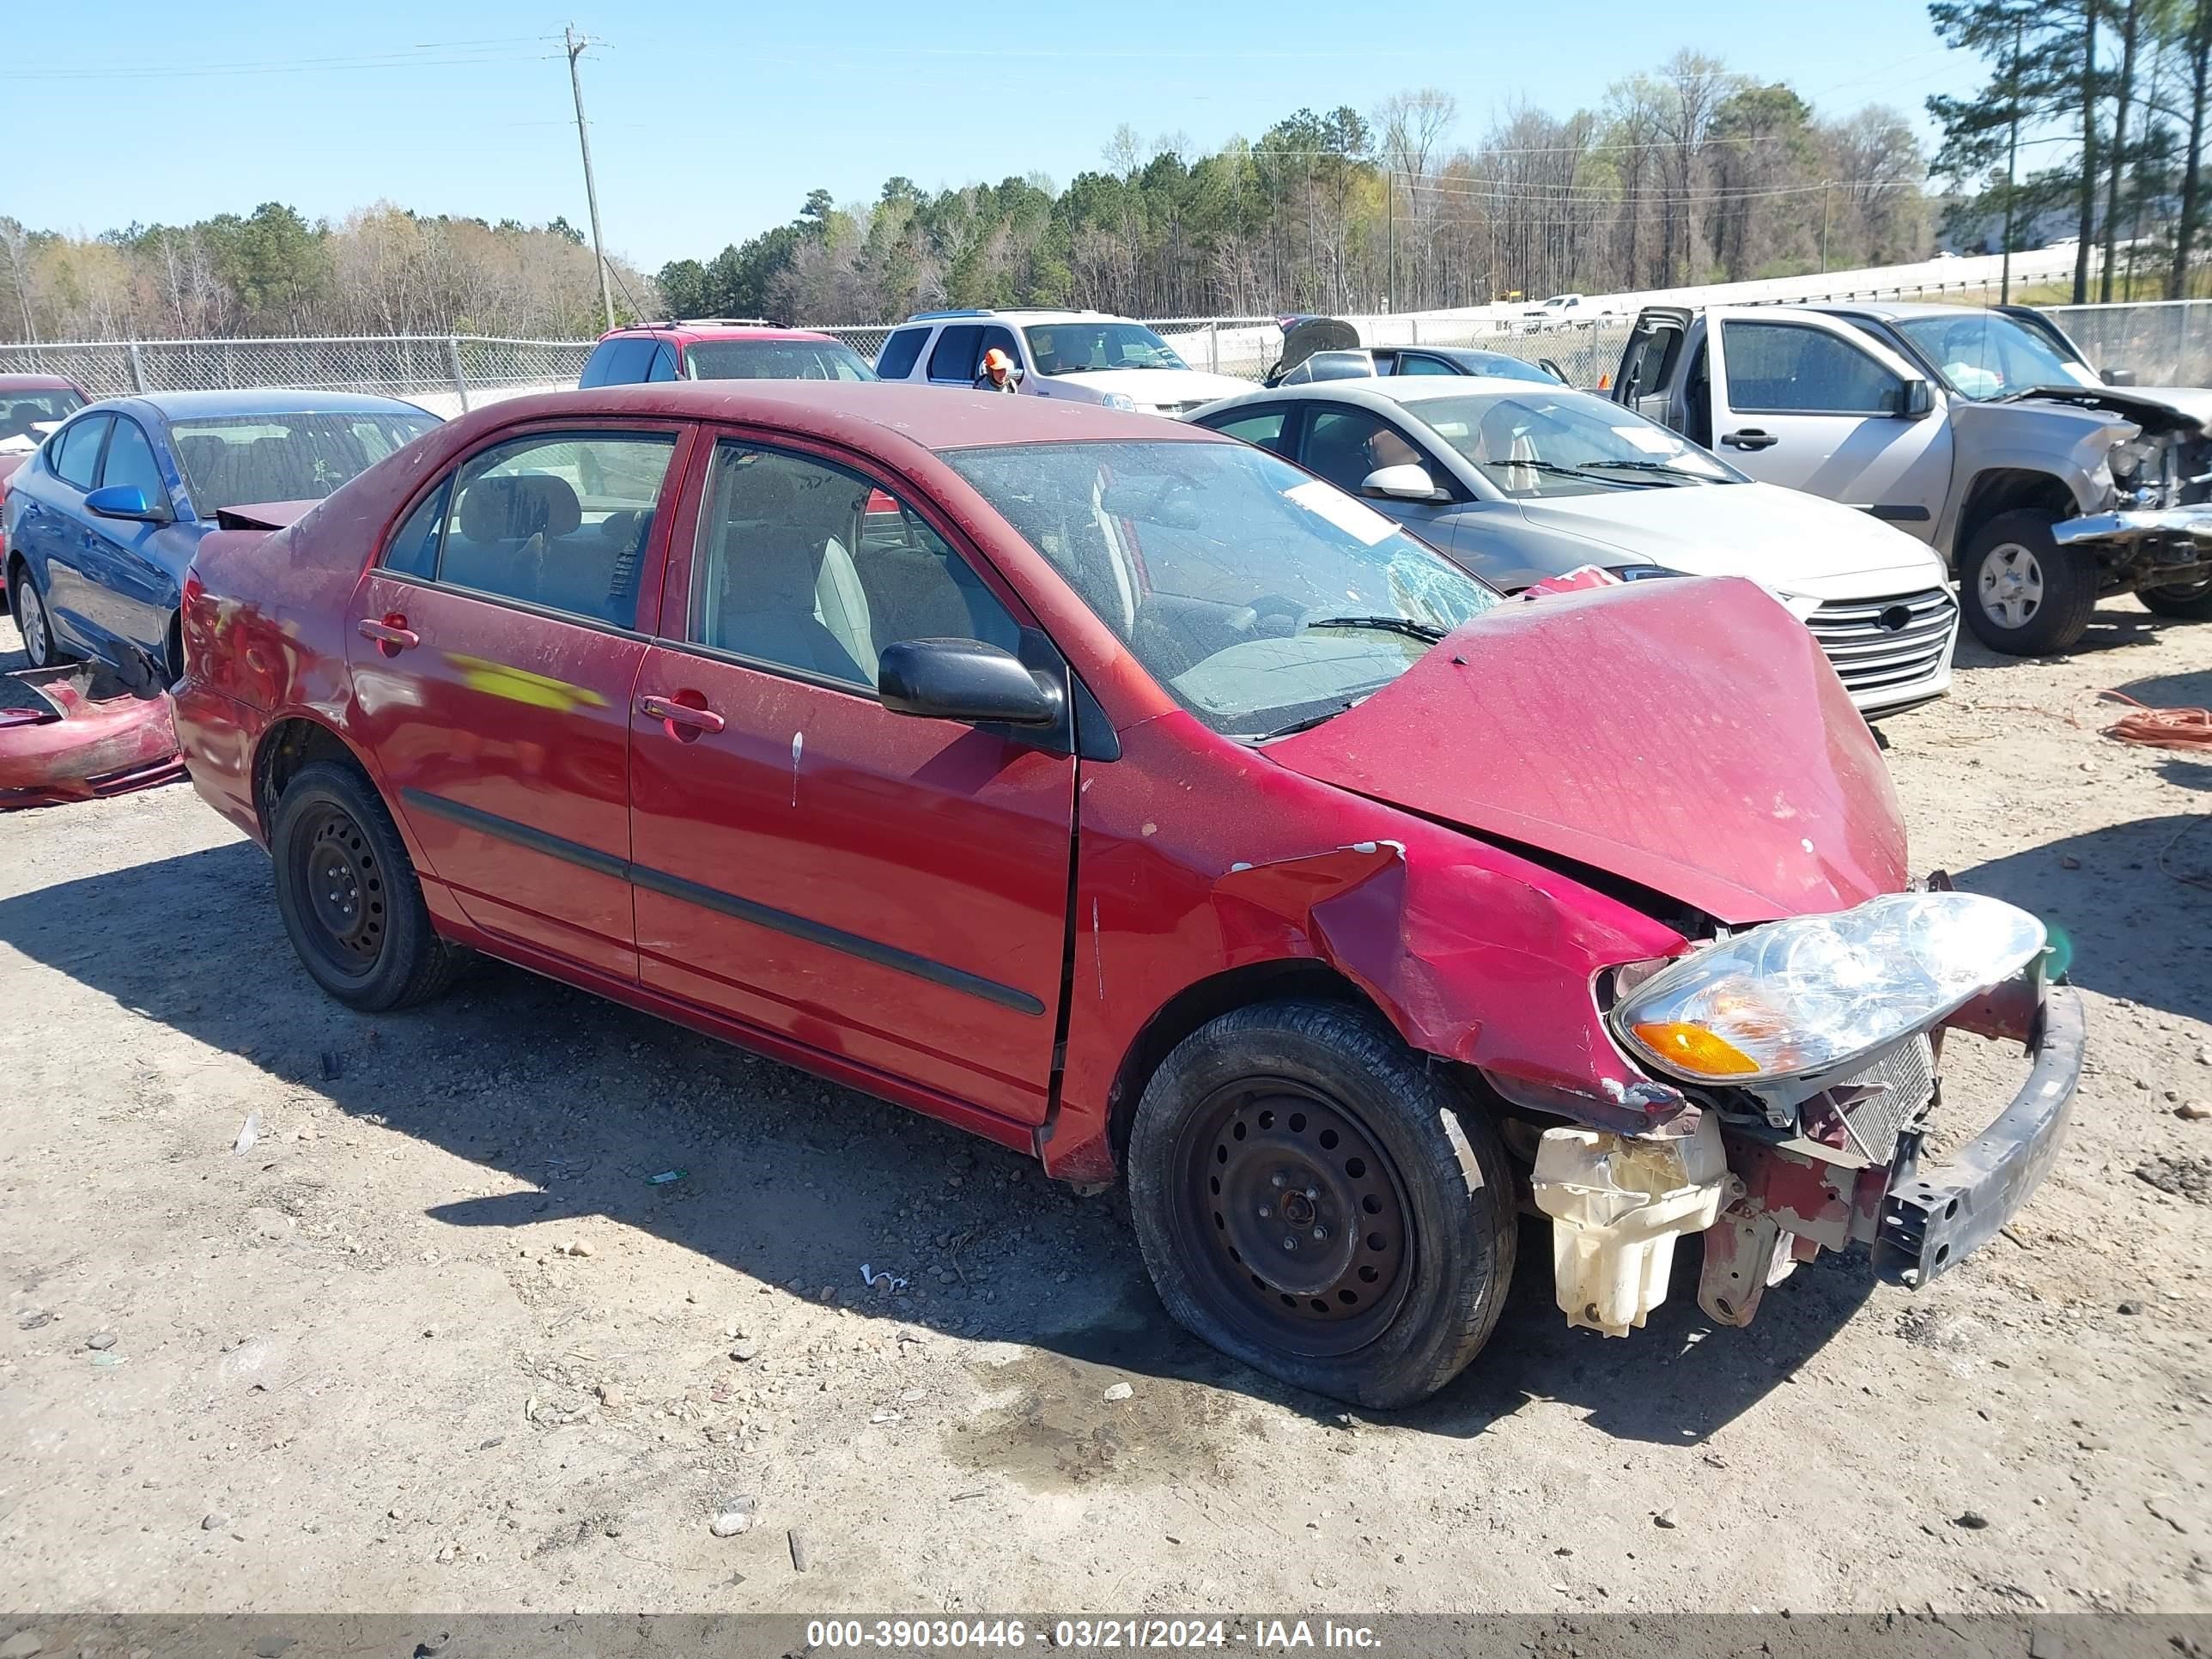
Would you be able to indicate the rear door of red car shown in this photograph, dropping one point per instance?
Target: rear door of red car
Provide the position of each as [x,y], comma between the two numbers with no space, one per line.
[886,889]
[496,643]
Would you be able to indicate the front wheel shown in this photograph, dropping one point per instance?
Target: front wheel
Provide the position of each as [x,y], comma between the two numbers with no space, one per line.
[1312,1199]
[28,608]
[349,896]
[2191,603]
[2024,594]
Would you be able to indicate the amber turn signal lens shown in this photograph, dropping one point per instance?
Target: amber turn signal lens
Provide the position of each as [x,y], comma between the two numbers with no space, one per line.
[1694,1049]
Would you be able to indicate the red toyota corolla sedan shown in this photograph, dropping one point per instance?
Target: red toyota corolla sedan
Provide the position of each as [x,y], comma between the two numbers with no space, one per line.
[1120,792]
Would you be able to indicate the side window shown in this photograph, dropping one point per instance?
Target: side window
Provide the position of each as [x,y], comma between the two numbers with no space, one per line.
[77,452]
[413,551]
[1655,350]
[559,520]
[664,361]
[896,360]
[806,566]
[1003,338]
[1264,428]
[959,348]
[1424,365]
[624,360]
[1345,445]
[1785,368]
[130,461]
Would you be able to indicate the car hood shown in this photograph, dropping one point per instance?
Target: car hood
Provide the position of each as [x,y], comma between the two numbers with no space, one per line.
[1685,735]
[1783,540]
[2153,408]
[1148,388]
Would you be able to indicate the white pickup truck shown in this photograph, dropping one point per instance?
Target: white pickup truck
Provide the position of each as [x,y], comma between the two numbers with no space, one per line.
[1985,434]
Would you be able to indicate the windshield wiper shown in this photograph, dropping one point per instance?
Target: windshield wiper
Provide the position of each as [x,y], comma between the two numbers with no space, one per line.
[1667,467]
[1305,725]
[1420,630]
[1560,471]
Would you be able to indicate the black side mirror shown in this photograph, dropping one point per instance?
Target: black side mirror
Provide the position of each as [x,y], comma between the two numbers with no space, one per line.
[2119,376]
[963,680]
[1918,401]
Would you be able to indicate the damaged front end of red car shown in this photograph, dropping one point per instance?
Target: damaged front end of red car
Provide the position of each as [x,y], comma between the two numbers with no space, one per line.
[1767,1078]
[79,739]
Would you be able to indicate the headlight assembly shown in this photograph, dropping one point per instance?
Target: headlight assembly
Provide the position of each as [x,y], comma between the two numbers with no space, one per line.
[1811,994]
[1120,400]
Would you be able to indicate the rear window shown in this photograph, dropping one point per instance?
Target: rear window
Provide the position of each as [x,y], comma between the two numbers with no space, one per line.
[627,360]
[33,414]
[775,360]
[896,360]
[283,458]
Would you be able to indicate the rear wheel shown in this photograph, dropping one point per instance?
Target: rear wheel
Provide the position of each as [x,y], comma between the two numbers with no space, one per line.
[1312,1199]
[28,608]
[2192,603]
[349,896]
[2024,594]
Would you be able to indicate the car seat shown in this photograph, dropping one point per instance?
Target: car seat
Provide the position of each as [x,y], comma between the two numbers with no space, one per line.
[504,522]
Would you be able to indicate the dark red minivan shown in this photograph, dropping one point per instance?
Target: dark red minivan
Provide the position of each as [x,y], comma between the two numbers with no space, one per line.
[1127,796]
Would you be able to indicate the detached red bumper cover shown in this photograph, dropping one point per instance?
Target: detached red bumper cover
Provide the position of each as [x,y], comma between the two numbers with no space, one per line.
[78,747]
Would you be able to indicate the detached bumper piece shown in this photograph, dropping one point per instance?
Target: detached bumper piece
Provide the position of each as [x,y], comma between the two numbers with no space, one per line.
[1920,1221]
[1929,1222]
[2176,538]
[74,746]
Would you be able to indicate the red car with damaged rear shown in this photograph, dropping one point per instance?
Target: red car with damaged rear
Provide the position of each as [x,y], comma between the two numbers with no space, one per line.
[1122,793]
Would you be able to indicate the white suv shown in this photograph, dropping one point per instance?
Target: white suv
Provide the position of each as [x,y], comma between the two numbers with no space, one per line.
[1083,355]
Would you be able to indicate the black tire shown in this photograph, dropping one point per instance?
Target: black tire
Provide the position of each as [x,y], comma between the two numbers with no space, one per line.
[1324,1104]
[347,894]
[2024,594]
[2189,604]
[27,607]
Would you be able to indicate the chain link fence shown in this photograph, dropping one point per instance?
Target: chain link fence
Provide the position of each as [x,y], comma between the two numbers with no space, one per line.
[2165,342]
[446,373]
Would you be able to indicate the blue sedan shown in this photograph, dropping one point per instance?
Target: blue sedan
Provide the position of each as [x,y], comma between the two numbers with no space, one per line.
[102,522]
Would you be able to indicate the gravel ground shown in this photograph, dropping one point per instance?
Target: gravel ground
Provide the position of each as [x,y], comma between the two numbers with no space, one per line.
[437,1339]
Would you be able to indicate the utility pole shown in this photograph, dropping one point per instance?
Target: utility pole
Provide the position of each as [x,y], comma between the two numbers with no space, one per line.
[1825,183]
[576,44]
[1390,274]
[2012,172]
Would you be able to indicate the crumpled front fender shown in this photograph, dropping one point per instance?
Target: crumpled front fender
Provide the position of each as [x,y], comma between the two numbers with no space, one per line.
[1470,965]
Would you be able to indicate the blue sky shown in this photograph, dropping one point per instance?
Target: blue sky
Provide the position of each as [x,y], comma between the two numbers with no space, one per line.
[711,121]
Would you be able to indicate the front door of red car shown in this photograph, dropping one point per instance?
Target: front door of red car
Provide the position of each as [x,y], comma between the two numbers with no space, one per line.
[495,652]
[886,889]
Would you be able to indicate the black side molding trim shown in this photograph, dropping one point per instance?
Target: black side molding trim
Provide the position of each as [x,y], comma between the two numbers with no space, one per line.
[523,835]
[1899,513]
[713,899]
[817,932]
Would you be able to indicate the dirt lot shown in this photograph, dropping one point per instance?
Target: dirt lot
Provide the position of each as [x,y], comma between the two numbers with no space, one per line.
[437,1340]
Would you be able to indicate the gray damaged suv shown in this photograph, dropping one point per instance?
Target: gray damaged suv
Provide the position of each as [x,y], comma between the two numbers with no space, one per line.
[1985,434]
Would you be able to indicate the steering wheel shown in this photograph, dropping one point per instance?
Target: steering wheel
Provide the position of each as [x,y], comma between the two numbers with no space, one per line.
[1246,618]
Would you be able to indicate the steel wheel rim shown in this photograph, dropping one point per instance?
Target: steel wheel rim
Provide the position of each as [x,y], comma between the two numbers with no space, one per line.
[338,882]
[31,622]
[2011,585]
[1266,1160]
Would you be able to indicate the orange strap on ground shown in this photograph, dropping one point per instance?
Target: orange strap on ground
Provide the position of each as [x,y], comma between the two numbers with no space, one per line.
[2160,728]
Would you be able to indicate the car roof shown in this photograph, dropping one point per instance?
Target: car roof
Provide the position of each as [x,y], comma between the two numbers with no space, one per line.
[1381,391]
[37,383]
[268,400]
[935,417]
[1023,313]
[717,328]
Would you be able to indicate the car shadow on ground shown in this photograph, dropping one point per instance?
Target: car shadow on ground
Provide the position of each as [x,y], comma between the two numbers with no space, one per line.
[798,1183]
[2113,625]
[2107,898]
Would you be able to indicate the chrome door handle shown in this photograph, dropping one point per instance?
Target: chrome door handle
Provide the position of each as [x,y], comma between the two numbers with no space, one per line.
[680,713]
[392,636]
